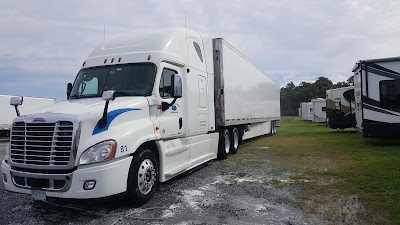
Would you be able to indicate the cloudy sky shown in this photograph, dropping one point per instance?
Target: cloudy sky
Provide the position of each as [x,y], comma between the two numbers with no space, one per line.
[290,40]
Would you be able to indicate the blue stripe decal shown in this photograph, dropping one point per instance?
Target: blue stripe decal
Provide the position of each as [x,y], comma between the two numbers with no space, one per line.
[110,117]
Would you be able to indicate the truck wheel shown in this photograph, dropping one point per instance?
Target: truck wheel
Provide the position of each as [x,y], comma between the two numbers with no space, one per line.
[143,177]
[224,144]
[274,127]
[235,139]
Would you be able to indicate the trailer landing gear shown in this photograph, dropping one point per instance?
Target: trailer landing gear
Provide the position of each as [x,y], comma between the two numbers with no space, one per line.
[224,144]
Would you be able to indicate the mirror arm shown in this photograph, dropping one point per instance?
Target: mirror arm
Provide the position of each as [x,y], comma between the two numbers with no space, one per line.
[166,105]
[103,121]
[16,110]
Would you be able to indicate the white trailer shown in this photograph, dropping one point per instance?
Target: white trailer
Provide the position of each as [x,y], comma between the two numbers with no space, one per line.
[143,109]
[377,96]
[319,109]
[7,113]
[304,113]
[310,111]
[340,108]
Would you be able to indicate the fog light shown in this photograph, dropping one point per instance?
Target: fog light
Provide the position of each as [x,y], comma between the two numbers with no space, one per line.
[4,177]
[89,185]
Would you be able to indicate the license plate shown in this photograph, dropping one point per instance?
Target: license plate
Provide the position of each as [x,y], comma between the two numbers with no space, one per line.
[38,195]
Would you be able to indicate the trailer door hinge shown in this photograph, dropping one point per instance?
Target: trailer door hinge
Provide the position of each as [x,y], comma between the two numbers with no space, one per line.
[221,91]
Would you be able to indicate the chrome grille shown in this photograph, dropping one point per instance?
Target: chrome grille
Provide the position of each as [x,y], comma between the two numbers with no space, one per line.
[42,144]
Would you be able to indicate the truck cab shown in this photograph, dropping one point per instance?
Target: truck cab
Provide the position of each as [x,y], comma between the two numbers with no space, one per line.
[139,112]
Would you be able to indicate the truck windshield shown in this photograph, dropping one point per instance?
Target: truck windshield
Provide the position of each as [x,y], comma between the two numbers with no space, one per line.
[126,80]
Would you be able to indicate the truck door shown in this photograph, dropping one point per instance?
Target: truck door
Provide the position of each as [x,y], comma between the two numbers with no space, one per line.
[171,121]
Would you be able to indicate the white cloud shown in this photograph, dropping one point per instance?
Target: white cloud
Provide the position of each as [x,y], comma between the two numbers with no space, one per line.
[290,40]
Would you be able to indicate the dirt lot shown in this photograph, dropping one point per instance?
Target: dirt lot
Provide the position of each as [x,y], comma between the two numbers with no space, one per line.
[283,179]
[221,192]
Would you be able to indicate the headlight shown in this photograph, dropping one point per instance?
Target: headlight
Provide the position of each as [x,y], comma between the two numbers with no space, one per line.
[97,153]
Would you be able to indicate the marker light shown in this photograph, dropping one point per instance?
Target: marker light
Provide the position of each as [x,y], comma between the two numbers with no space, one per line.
[84,63]
[112,60]
[148,58]
[105,61]
[119,59]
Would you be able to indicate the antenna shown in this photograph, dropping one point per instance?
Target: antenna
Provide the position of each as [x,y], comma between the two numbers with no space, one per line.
[187,47]
[59,61]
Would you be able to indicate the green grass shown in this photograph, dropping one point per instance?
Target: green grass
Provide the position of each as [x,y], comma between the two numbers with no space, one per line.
[337,163]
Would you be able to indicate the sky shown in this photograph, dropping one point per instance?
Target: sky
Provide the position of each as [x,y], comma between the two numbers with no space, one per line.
[44,43]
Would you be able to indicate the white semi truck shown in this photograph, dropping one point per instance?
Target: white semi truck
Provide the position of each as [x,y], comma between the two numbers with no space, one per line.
[7,113]
[142,109]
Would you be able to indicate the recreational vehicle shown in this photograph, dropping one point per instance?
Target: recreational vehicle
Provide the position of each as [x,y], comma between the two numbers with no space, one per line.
[340,108]
[303,109]
[143,109]
[377,96]
[319,109]
[310,111]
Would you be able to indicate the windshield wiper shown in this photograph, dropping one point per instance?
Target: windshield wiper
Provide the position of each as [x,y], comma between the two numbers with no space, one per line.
[75,97]
[122,93]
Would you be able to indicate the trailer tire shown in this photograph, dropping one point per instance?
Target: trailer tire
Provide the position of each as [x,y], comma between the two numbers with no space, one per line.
[235,140]
[143,177]
[224,144]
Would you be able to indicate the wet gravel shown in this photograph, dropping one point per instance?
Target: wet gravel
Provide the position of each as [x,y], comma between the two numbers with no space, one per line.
[221,192]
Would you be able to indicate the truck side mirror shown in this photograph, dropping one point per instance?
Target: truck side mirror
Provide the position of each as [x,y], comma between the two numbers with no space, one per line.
[176,92]
[106,96]
[69,89]
[176,81]
[16,101]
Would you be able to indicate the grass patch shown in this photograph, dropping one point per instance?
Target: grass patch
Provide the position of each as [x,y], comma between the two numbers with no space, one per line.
[337,163]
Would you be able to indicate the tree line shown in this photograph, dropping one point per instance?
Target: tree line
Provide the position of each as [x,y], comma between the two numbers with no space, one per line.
[292,95]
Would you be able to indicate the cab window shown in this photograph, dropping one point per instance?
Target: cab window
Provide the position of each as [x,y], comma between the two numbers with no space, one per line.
[165,88]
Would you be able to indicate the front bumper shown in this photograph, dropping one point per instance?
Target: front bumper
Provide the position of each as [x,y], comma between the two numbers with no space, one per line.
[111,178]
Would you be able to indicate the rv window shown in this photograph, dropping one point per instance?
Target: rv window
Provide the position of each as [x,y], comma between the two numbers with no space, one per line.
[390,93]
[338,104]
[165,83]
[198,50]
[349,95]
[323,109]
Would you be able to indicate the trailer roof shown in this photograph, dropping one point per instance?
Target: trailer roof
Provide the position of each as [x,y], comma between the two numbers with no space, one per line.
[375,60]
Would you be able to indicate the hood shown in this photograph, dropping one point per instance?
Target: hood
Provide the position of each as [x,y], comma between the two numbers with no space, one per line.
[92,108]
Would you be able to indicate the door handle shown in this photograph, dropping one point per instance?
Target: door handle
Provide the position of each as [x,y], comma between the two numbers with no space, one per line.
[180,123]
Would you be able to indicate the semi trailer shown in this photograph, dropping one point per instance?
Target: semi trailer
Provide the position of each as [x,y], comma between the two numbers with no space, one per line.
[340,108]
[142,109]
[7,113]
[377,96]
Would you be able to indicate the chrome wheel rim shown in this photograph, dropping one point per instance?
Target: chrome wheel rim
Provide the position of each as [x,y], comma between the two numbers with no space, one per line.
[146,176]
[227,143]
[235,139]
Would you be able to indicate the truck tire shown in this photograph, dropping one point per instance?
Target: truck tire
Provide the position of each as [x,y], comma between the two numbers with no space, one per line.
[235,140]
[224,144]
[143,177]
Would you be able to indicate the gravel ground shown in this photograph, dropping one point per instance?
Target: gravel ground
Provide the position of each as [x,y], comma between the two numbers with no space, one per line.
[221,192]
